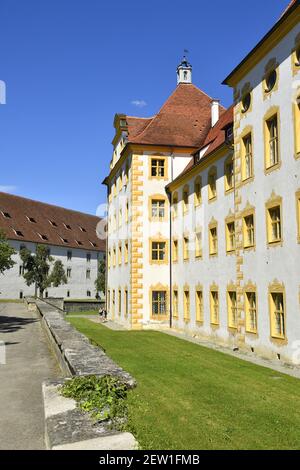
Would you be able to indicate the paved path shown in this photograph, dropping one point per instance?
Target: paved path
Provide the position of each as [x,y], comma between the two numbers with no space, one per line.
[29,361]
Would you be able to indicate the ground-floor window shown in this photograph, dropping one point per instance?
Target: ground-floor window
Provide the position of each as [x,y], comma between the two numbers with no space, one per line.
[232,309]
[88,293]
[277,315]
[159,303]
[175,303]
[120,301]
[186,304]
[126,302]
[214,307]
[251,312]
[199,306]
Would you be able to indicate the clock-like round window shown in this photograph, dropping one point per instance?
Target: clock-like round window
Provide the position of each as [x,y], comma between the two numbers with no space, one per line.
[271,80]
[246,102]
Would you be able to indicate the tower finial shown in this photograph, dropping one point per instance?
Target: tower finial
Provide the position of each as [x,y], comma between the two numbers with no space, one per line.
[184,70]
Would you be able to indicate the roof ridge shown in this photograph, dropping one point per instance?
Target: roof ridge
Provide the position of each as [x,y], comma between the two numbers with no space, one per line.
[48,204]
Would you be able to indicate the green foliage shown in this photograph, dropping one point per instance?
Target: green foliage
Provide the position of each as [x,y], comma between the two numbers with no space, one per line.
[100,281]
[58,275]
[6,252]
[103,397]
[37,269]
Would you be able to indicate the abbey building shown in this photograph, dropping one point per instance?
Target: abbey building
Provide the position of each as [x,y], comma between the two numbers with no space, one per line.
[204,206]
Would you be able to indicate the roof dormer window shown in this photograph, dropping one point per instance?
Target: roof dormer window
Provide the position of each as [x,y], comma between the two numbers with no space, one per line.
[42,236]
[54,224]
[65,240]
[6,215]
[19,233]
[68,227]
[93,244]
[78,242]
[82,229]
[31,219]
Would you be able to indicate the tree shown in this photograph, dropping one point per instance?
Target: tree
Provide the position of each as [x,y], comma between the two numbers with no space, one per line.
[100,281]
[58,275]
[6,253]
[37,269]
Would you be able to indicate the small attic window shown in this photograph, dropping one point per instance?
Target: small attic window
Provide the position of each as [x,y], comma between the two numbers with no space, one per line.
[65,240]
[54,224]
[122,122]
[6,215]
[93,244]
[19,233]
[196,158]
[31,219]
[82,229]
[229,133]
[42,236]
[78,242]
[68,226]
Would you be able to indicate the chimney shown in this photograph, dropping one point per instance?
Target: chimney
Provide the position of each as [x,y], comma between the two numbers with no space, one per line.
[214,112]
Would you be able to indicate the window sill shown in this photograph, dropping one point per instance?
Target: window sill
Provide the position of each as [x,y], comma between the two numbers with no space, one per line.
[249,248]
[275,244]
[229,191]
[269,170]
[247,180]
[212,199]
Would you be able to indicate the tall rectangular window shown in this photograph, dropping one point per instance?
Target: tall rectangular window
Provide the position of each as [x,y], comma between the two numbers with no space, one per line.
[185,199]
[199,306]
[197,191]
[186,304]
[198,244]
[232,309]
[88,274]
[126,252]
[175,204]
[120,301]
[274,224]
[297,126]
[272,142]
[69,255]
[185,248]
[214,307]
[113,301]
[212,183]
[247,157]
[126,302]
[120,254]
[229,174]
[248,231]
[230,236]
[213,240]
[88,257]
[175,303]
[69,271]
[277,315]
[251,312]
[159,303]
[175,251]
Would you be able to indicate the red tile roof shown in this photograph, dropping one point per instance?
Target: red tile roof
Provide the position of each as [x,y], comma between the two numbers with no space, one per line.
[214,139]
[41,215]
[289,6]
[183,121]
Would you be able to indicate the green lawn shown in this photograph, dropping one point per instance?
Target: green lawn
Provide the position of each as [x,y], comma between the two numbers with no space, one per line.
[190,397]
[11,301]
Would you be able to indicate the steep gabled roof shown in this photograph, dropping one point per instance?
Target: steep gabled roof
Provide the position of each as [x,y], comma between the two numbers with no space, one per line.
[34,219]
[289,6]
[214,139]
[183,121]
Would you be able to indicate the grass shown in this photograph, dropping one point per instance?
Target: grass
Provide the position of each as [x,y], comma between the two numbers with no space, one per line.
[10,301]
[88,312]
[191,397]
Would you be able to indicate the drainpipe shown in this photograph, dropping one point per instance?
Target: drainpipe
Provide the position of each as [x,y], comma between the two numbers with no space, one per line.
[170,244]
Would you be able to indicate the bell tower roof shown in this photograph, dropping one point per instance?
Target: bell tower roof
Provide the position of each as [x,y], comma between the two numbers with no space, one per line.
[184,71]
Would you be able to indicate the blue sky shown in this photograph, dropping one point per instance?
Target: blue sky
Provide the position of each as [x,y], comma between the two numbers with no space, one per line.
[70,65]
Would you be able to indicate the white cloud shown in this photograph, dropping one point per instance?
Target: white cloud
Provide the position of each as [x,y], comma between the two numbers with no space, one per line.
[7,188]
[139,103]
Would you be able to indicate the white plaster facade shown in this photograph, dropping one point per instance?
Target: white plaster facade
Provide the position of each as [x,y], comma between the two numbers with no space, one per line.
[79,286]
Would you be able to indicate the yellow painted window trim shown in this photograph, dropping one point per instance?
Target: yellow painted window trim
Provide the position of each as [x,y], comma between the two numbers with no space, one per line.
[273,203]
[175,250]
[158,197]
[277,288]
[186,247]
[228,160]
[271,114]
[271,65]
[175,304]
[186,304]
[232,309]
[159,288]
[212,173]
[198,247]
[166,250]
[229,221]
[250,290]
[248,213]
[198,194]
[199,307]
[247,134]
[298,214]
[175,205]
[214,321]
[213,225]
[296,119]
[158,157]
[185,203]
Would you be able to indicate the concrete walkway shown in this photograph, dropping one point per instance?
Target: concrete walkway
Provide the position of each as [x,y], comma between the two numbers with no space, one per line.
[29,361]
